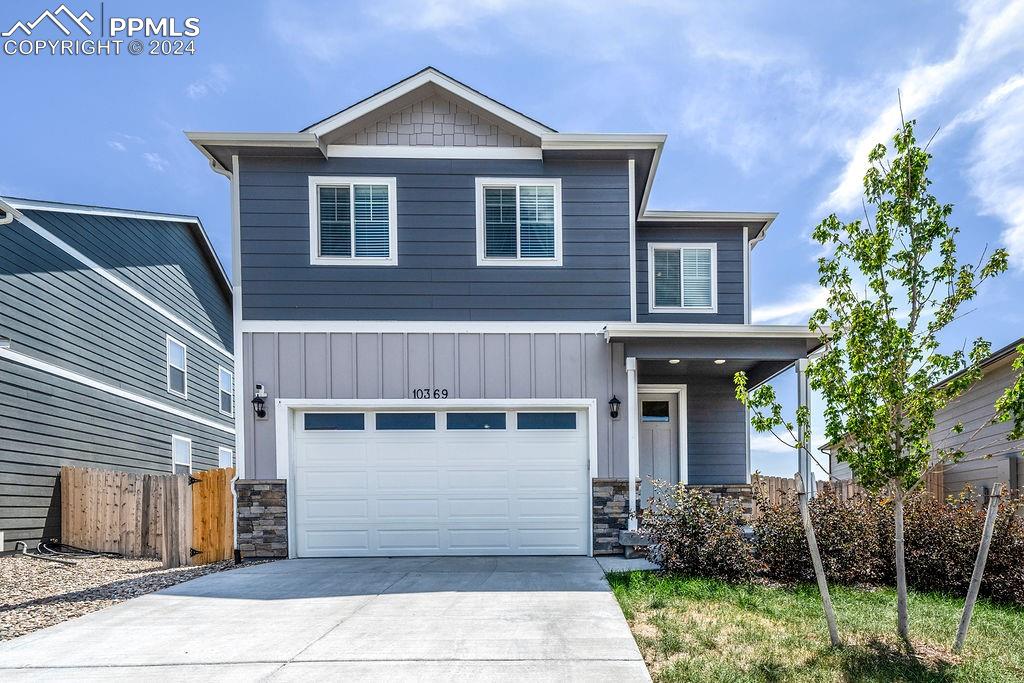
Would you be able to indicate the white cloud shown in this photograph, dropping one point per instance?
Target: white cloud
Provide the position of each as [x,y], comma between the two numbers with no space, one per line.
[996,171]
[214,82]
[116,145]
[119,142]
[155,161]
[795,309]
[990,32]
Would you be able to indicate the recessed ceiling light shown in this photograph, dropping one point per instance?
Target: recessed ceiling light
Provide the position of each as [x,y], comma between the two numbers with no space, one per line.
[720,361]
[674,361]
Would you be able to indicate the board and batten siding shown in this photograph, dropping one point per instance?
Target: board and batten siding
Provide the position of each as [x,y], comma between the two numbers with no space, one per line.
[730,270]
[482,365]
[437,277]
[59,311]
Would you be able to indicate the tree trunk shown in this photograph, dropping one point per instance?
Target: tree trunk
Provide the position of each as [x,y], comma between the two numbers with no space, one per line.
[902,616]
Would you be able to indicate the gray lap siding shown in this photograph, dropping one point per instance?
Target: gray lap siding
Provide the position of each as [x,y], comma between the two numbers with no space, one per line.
[730,247]
[56,310]
[49,421]
[437,277]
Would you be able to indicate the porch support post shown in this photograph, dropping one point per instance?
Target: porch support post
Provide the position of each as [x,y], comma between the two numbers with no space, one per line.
[803,400]
[632,438]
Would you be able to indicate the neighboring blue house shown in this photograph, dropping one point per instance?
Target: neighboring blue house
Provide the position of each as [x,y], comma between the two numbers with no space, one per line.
[469,333]
[115,352]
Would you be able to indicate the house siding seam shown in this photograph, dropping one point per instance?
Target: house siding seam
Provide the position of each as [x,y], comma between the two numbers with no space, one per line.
[437,277]
[728,238]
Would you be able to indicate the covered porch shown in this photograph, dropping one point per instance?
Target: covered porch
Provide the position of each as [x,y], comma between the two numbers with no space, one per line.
[684,424]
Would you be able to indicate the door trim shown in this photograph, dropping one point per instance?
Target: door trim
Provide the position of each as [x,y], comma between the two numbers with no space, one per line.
[286,409]
[680,391]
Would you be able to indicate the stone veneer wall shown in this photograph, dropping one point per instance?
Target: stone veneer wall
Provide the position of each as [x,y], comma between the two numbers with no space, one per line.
[262,518]
[611,514]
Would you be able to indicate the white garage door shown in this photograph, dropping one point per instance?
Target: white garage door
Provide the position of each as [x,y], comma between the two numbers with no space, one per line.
[440,483]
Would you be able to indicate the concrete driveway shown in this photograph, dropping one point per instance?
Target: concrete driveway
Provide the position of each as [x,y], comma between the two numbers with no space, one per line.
[471,618]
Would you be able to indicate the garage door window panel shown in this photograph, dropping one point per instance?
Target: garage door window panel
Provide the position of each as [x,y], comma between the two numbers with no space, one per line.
[471,421]
[334,422]
[564,421]
[405,422]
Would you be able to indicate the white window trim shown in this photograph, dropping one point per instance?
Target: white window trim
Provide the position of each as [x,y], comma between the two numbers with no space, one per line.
[481,242]
[175,439]
[167,359]
[231,390]
[315,183]
[665,246]
[221,450]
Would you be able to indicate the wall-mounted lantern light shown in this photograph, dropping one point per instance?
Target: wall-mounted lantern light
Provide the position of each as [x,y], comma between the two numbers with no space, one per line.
[613,407]
[259,401]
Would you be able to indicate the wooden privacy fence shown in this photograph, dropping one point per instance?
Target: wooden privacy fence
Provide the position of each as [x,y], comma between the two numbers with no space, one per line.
[149,515]
[776,489]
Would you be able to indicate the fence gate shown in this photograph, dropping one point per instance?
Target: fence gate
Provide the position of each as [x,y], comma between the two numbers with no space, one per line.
[212,516]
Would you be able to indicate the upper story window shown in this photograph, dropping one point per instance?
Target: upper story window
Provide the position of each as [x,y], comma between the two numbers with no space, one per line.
[177,370]
[682,278]
[353,221]
[226,387]
[518,221]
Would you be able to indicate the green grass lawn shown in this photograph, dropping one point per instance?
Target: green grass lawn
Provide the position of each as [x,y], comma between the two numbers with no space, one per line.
[703,630]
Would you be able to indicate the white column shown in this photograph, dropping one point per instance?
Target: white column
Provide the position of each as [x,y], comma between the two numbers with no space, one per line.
[803,400]
[633,437]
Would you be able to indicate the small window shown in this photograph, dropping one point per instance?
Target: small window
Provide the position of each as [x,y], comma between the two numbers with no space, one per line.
[546,420]
[177,372]
[519,221]
[411,421]
[476,421]
[353,221]
[181,455]
[225,457]
[683,278]
[654,411]
[226,383]
[333,422]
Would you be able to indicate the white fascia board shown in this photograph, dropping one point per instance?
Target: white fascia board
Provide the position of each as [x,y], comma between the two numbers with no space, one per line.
[584,141]
[254,139]
[425,77]
[750,218]
[684,330]
[430,327]
[430,152]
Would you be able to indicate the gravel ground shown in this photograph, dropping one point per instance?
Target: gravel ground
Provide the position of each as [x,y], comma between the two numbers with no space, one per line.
[35,594]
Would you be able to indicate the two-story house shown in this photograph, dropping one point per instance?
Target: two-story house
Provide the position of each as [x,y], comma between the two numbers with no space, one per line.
[115,352]
[465,333]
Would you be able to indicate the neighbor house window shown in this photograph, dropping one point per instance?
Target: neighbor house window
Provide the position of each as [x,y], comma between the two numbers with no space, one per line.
[353,221]
[519,222]
[177,372]
[225,457]
[682,278]
[226,388]
[181,455]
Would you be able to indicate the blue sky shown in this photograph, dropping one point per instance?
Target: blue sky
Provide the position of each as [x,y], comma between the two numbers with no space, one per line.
[768,106]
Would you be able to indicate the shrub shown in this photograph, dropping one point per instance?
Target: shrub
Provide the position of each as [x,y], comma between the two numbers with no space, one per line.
[856,539]
[693,535]
[847,534]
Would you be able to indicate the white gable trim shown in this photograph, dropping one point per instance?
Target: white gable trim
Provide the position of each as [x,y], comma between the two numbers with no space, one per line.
[425,77]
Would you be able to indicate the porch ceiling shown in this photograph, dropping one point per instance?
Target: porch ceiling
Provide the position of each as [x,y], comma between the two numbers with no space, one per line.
[661,371]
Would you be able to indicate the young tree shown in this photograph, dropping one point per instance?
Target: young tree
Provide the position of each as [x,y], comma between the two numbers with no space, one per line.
[894,282]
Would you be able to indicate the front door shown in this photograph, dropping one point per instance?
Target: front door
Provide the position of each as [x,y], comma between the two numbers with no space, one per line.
[659,441]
